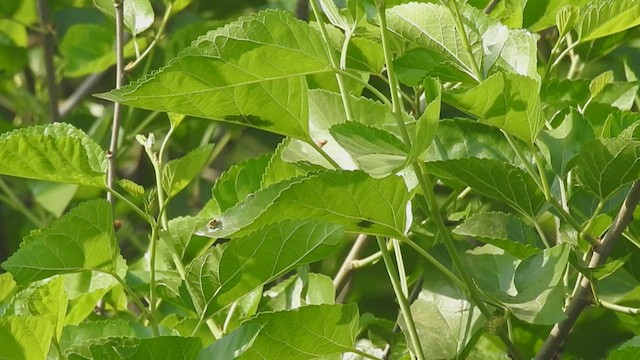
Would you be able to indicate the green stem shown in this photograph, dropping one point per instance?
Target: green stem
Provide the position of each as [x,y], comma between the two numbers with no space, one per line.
[135,299]
[445,271]
[159,35]
[13,201]
[153,244]
[402,299]
[619,308]
[344,91]
[367,86]
[388,58]
[463,35]
[324,154]
[402,274]
[133,206]
[591,222]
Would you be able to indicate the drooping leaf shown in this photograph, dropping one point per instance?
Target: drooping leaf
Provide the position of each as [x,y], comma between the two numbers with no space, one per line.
[463,138]
[531,288]
[138,14]
[220,276]
[178,173]
[224,75]
[235,184]
[606,165]
[54,197]
[49,301]
[605,17]
[306,333]
[507,101]
[494,179]
[56,152]
[561,145]
[92,331]
[445,320]
[503,230]
[25,337]
[350,198]
[377,152]
[81,240]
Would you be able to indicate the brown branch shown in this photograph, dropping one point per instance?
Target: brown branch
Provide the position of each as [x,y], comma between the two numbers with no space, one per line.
[345,269]
[582,296]
[49,53]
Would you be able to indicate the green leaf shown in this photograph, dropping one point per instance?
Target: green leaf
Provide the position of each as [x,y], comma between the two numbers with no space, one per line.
[220,276]
[599,82]
[431,26]
[507,101]
[505,231]
[25,337]
[562,145]
[306,333]
[179,232]
[138,14]
[427,125]
[531,289]
[57,152]
[295,292]
[463,138]
[53,197]
[605,17]
[157,348]
[539,16]
[224,76]
[628,350]
[90,332]
[49,301]
[88,48]
[494,179]
[377,152]
[350,198]
[566,19]
[241,180]
[81,240]
[606,165]
[132,188]
[445,319]
[278,169]
[178,173]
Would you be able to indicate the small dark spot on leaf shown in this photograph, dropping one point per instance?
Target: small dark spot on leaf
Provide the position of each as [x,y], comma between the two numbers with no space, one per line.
[214,224]
[365,224]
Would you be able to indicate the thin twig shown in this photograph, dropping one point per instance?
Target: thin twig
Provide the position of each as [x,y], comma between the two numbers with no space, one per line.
[582,297]
[345,269]
[83,90]
[50,70]
[115,126]
[492,5]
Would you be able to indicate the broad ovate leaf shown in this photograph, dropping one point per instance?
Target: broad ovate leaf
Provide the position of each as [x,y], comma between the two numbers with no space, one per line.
[502,230]
[310,332]
[606,165]
[223,274]
[505,100]
[377,152]
[351,198]
[432,27]
[562,144]
[25,337]
[178,173]
[56,152]
[531,289]
[156,348]
[81,240]
[445,319]
[250,72]
[606,17]
[241,180]
[494,179]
